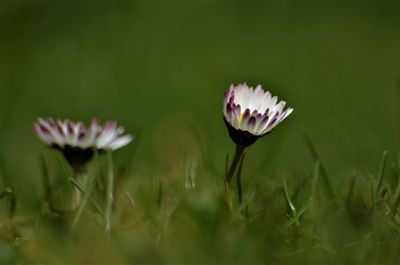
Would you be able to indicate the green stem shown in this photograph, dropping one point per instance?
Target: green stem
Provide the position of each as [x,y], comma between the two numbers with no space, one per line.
[238,179]
[229,173]
[236,159]
[110,197]
[239,184]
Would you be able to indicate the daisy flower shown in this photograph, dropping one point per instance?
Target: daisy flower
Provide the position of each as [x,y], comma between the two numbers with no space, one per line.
[79,143]
[249,114]
[252,113]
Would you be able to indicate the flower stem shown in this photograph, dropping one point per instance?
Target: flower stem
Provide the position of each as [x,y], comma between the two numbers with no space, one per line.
[110,188]
[245,211]
[236,159]
[238,179]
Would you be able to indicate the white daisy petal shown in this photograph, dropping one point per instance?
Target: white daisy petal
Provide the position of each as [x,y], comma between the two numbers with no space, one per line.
[107,135]
[253,110]
[67,134]
[119,142]
[50,125]
[43,133]
[90,135]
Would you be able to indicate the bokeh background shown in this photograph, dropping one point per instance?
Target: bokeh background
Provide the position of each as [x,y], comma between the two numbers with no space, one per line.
[160,69]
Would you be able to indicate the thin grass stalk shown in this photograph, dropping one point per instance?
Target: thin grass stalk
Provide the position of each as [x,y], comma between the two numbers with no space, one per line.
[381,174]
[323,172]
[82,205]
[93,201]
[396,195]
[289,203]
[314,183]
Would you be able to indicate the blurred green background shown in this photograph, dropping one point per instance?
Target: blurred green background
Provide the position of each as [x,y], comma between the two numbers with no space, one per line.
[160,69]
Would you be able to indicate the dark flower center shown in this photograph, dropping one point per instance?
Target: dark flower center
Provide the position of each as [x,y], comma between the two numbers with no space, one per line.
[243,138]
[77,157]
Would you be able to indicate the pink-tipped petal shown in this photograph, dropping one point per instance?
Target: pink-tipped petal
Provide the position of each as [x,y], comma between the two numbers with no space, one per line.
[120,142]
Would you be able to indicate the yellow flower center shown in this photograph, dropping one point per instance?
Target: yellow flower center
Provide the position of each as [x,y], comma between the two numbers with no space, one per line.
[241,116]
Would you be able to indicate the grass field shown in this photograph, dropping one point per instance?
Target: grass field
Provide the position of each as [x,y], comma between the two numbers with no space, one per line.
[323,188]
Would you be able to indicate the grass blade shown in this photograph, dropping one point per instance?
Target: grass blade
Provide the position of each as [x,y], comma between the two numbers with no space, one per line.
[45,180]
[322,169]
[290,205]
[93,201]
[312,201]
[296,219]
[396,195]
[381,174]
[351,192]
[84,201]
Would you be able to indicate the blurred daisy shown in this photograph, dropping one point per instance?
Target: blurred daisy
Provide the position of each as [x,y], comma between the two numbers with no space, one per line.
[79,143]
[251,113]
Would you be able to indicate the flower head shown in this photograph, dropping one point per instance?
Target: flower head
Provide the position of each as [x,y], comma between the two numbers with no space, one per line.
[251,113]
[77,142]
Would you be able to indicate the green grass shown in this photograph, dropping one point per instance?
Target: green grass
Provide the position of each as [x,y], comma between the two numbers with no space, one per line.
[322,189]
